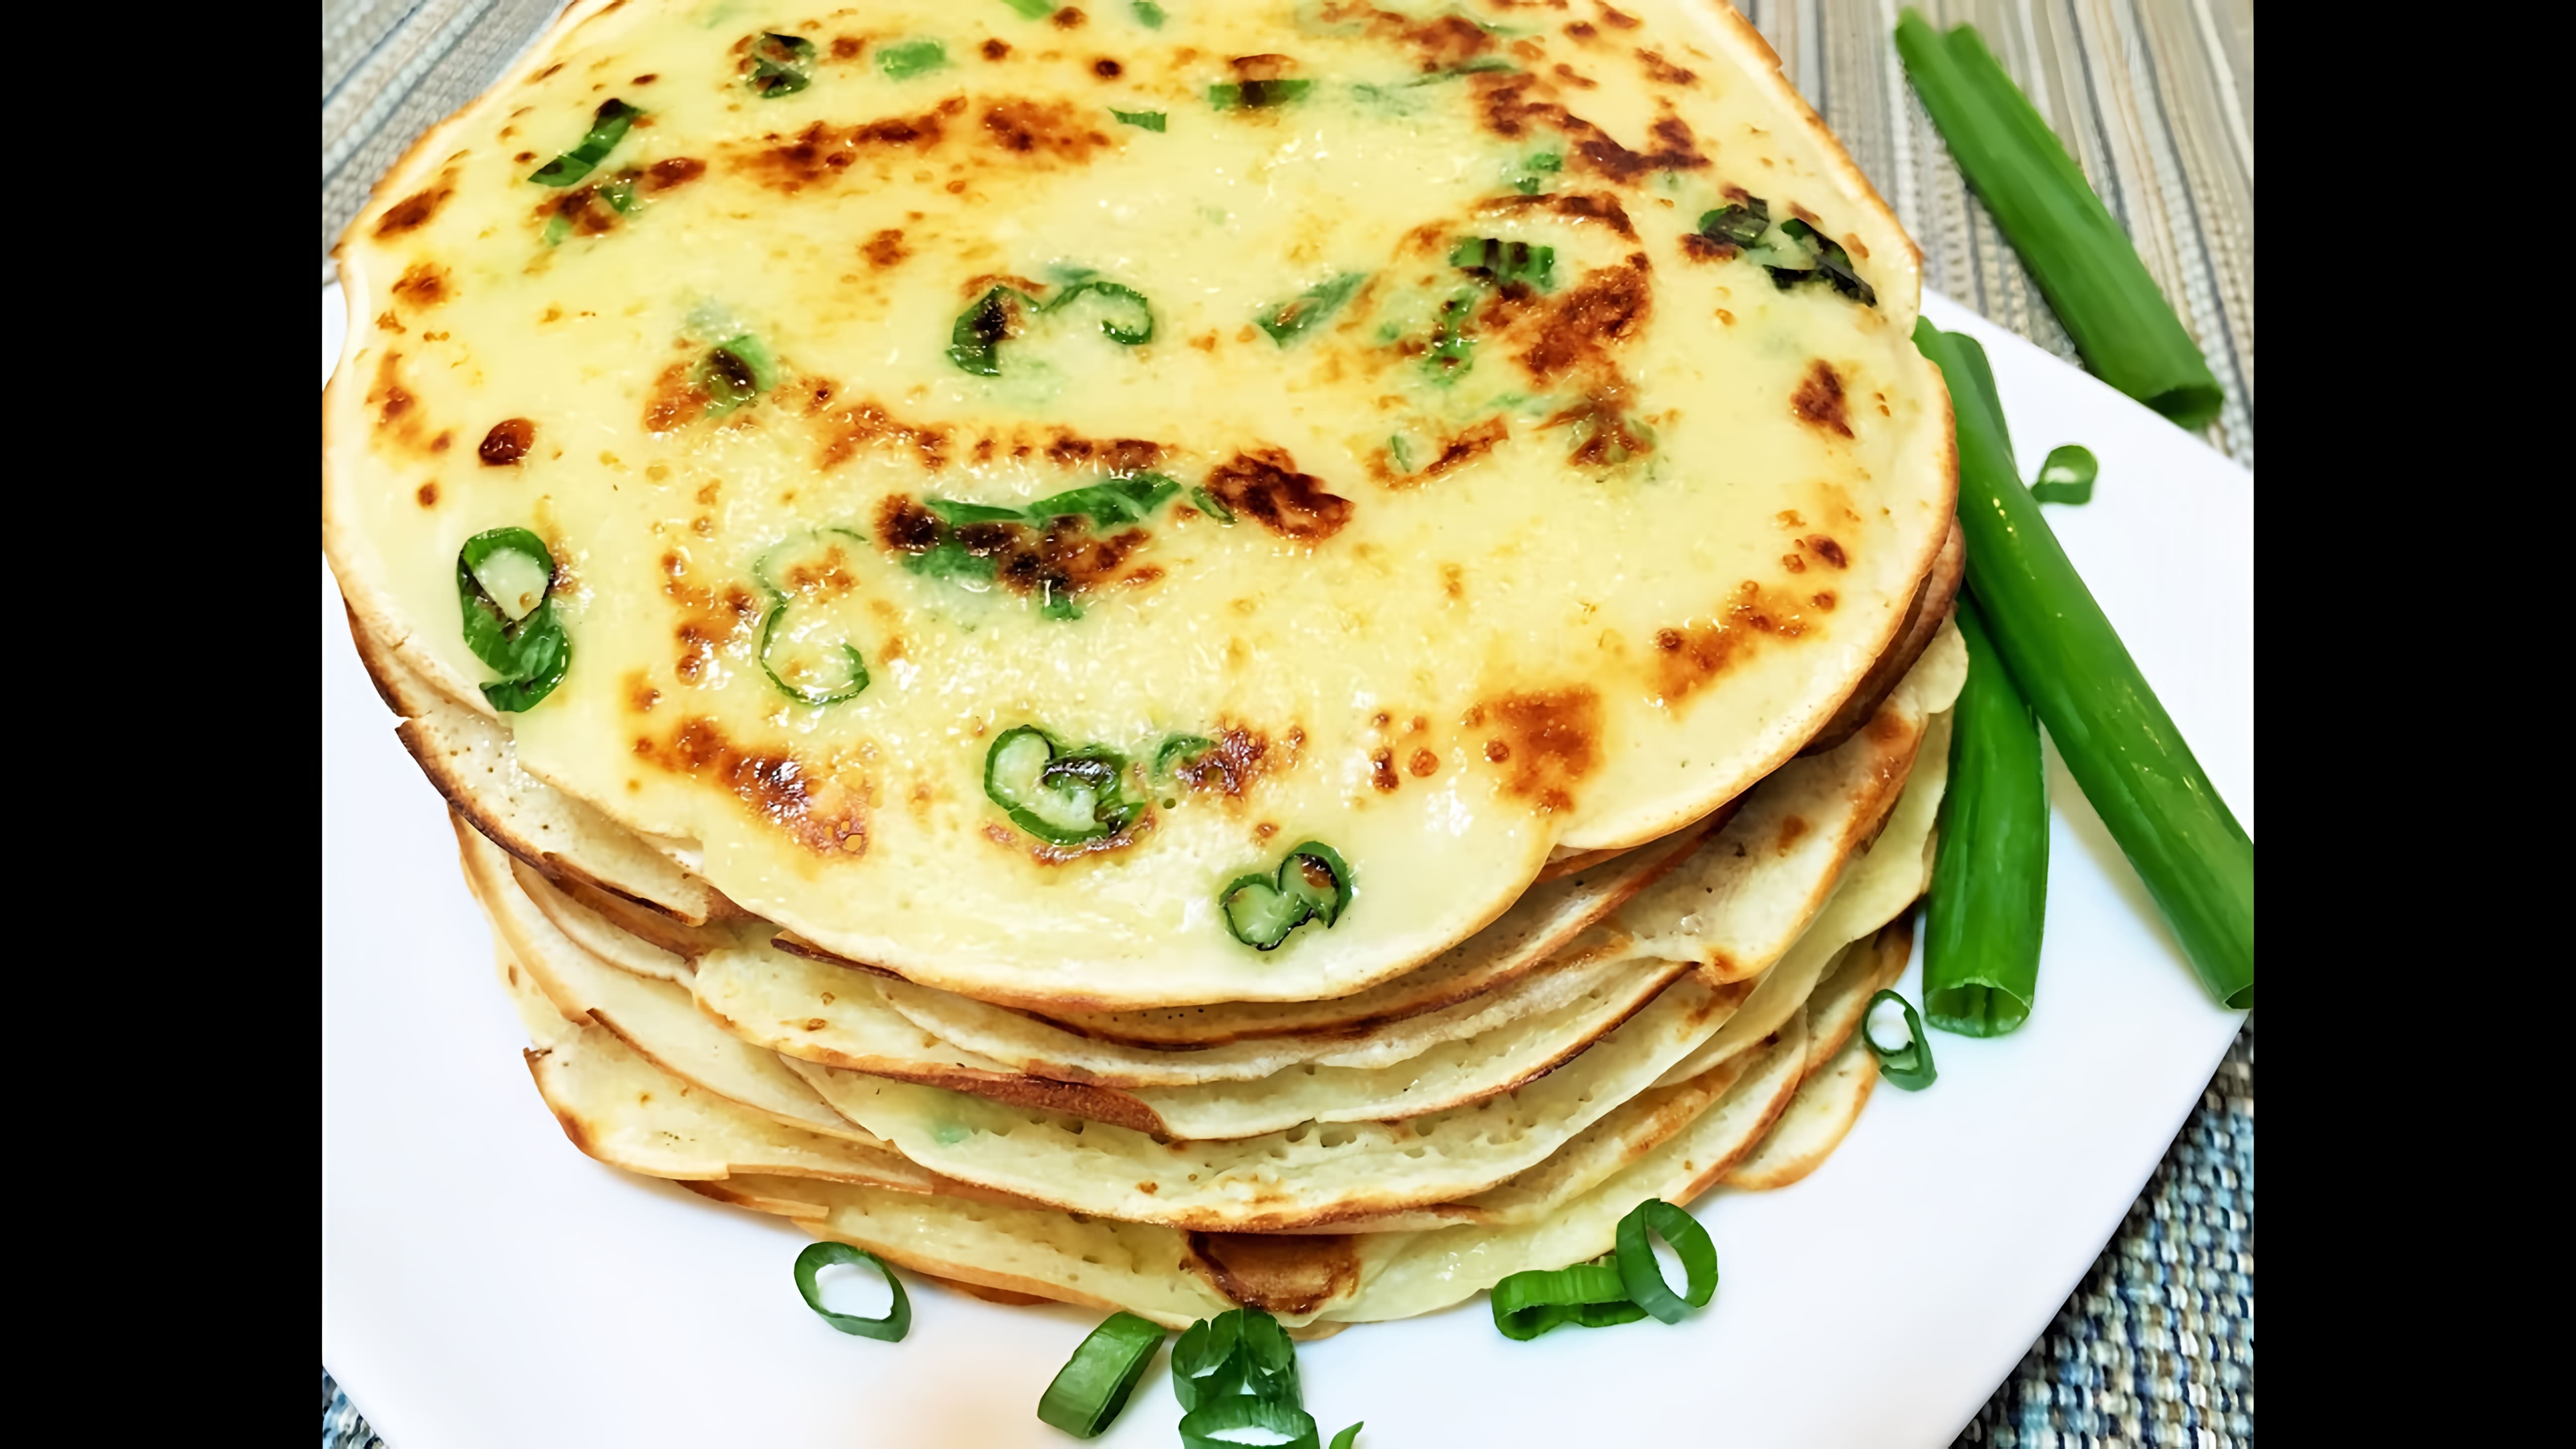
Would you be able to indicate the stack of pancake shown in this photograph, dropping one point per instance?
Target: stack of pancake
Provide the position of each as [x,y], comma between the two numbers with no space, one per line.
[1553,586]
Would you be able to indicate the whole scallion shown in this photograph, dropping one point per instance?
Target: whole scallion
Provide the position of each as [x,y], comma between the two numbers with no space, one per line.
[2114,735]
[1990,869]
[2076,251]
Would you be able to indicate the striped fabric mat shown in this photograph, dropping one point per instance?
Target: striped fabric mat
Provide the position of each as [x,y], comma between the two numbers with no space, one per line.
[2156,100]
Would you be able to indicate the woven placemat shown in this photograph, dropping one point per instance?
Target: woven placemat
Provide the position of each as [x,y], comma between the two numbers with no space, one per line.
[2156,100]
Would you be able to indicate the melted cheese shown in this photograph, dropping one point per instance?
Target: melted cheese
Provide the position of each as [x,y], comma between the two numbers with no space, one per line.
[1568,589]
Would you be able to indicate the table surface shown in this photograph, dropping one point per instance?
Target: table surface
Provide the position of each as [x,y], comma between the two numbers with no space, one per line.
[2155,98]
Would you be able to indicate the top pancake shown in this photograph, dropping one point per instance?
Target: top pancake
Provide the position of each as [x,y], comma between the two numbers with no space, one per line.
[1518,559]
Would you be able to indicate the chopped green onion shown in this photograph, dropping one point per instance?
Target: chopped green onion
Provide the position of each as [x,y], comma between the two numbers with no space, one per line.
[1742,223]
[1543,162]
[1313,884]
[889,1329]
[781,65]
[1150,120]
[736,371]
[1348,1437]
[509,630]
[854,680]
[1290,319]
[1148,14]
[1094,1384]
[1451,354]
[911,58]
[1644,1277]
[1032,9]
[2080,256]
[1290,1426]
[1989,896]
[1257,95]
[1909,1066]
[1179,753]
[608,127]
[975,342]
[1061,796]
[2114,735]
[1211,505]
[1587,1295]
[2067,476]
[958,514]
[1495,260]
[1242,1352]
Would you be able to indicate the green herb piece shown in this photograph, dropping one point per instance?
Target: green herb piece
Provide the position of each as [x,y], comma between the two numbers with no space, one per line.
[1061,796]
[2067,476]
[2117,740]
[1401,451]
[911,58]
[2078,253]
[1828,258]
[1741,223]
[1989,896]
[1256,95]
[1211,505]
[975,342]
[608,127]
[558,229]
[1505,263]
[1587,1295]
[1644,1277]
[1313,884]
[1288,1426]
[1179,753]
[1908,1066]
[1113,503]
[1147,13]
[1478,66]
[889,1329]
[1291,319]
[1348,1437]
[734,372]
[854,678]
[1087,1393]
[505,591]
[1537,169]
[781,65]
[1452,352]
[1032,9]
[1150,120]
[1240,1353]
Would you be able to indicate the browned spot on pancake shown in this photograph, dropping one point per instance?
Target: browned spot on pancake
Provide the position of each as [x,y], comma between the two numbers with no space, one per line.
[1824,602]
[1826,549]
[829,576]
[1241,757]
[1455,452]
[1700,247]
[1583,30]
[507,443]
[1062,561]
[1278,1273]
[1661,70]
[1028,128]
[1819,399]
[399,417]
[709,618]
[996,48]
[1575,206]
[674,400]
[1512,104]
[1689,657]
[415,210]
[1107,69]
[1265,483]
[388,322]
[869,425]
[1617,19]
[1137,829]
[1149,1188]
[1424,764]
[823,815]
[1263,67]
[1119,456]
[1382,770]
[847,47]
[1580,328]
[665,175]
[1551,739]
[1069,18]
[1603,433]
[1453,581]
[1792,830]
[1575,78]
[820,152]
[445,438]
[428,495]
[1795,563]
[641,696]
[423,284]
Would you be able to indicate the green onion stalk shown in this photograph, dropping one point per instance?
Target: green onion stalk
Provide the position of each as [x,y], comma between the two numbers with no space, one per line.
[1990,869]
[2116,739]
[2076,251]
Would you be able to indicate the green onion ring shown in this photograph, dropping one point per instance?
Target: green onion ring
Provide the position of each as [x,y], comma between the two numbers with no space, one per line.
[1094,1384]
[1248,1411]
[1588,1295]
[1644,1277]
[1909,1066]
[1347,1437]
[889,1329]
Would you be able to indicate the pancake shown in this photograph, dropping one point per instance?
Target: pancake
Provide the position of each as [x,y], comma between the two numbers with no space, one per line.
[1455,482]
